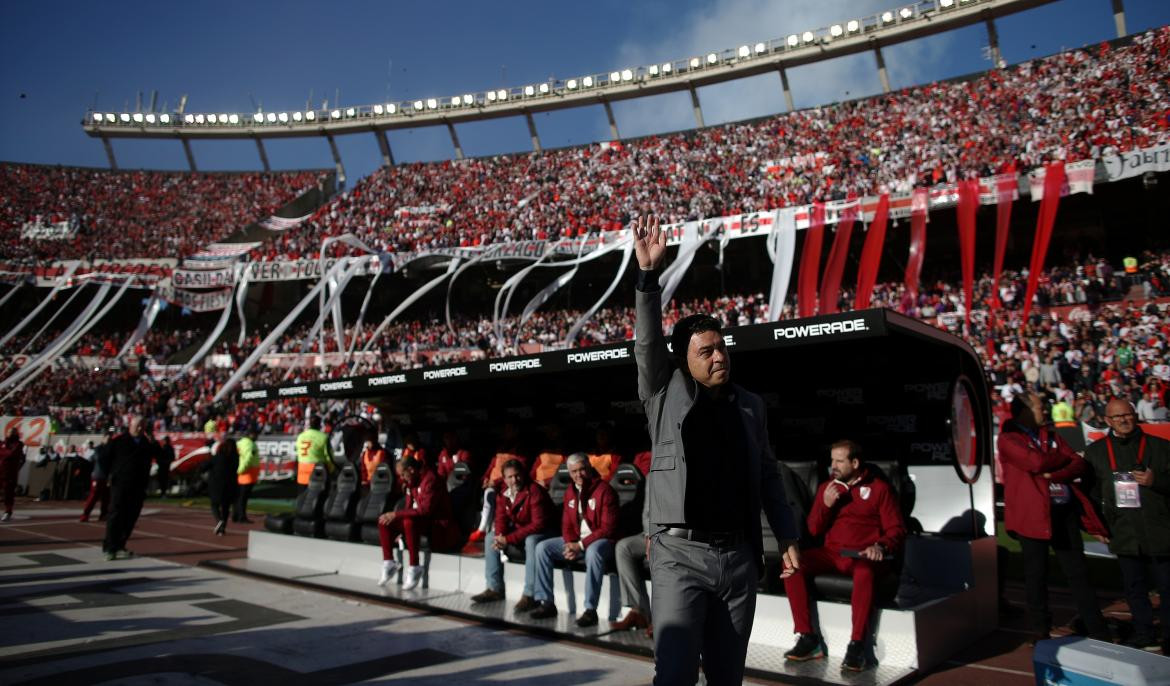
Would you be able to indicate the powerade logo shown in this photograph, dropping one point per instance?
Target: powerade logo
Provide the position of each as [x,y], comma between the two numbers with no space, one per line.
[598,355]
[337,386]
[388,380]
[444,373]
[728,340]
[930,391]
[513,365]
[843,396]
[295,390]
[254,395]
[826,329]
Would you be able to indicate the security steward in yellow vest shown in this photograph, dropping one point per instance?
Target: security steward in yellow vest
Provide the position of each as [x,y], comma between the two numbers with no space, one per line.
[312,449]
[247,474]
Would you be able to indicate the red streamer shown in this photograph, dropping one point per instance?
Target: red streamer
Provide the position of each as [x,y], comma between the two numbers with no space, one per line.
[871,253]
[835,267]
[917,240]
[1053,183]
[968,204]
[810,262]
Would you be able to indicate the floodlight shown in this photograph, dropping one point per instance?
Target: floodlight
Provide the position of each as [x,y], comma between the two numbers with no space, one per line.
[666,67]
[793,40]
[335,114]
[653,70]
[124,117]
[283,117]
[853,26]
[501,94]
[212,119]
[745,51]
[906,12]
[587,82]
[258,117]
[455,101]
[271,117]
[468,98]
[712,58]
[614,77]
[946,3]
[808,36]
[351,112]
[571,84]
[491,96]
[887,17]
[188,118]
[297,116]
[137,117]
[223,119]
[164,118]
[835,30]
[695,62]
[627,75]
[199,119]
[378,109]
[150,118]
[233,118]
[530,90]
[391,108]
[310,115]
[761,48]
[97,117]
[544,88]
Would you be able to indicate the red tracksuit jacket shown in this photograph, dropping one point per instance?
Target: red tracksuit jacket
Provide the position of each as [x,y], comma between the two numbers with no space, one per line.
[865,514]
[530,513]
[601,512]
[429,499]
[1026,502]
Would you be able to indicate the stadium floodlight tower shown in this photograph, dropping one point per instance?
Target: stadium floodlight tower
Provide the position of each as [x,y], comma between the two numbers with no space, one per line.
[849,36]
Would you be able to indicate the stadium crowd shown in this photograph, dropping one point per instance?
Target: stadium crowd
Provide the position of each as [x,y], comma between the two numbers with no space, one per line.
[133,214]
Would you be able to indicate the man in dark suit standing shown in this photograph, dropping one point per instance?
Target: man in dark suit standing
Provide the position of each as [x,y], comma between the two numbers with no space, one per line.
[129,456]
[711,473]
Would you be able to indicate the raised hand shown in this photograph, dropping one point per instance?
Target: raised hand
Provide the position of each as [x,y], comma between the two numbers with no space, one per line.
[649,243]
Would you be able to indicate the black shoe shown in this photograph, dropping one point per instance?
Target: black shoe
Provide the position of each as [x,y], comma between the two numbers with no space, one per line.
[544,610]
[491,595]
[587,618]
[525,604]
[854,657]
[808,647]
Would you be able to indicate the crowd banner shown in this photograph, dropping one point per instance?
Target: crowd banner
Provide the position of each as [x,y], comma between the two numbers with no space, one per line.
[61,281]
[627,251]
[968,205]
[1127,165]
[692,240]
[153,305]
[871,254]
[203,278]
[452,267]
[217,331]
[196,301]
[835,268]
[34,431]
[1053,181]
[917,240]
[268,342]
[1005,193]
[1078,178]
[810,263]
[782,249]
[220,251]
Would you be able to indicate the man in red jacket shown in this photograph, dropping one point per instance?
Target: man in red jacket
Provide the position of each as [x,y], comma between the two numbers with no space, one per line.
[524,517]
[11,458]
[1042,508]
[861,521]
[427,513]
[588,530]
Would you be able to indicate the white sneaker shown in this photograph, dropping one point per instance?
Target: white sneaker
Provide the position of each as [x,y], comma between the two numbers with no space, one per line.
[414,574]
[389,570]
[7,517]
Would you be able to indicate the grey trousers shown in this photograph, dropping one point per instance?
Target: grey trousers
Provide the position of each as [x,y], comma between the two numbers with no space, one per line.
[630,553]
[703,602]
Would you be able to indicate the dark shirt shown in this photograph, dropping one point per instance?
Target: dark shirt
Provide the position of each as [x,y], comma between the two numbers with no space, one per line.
[717,472]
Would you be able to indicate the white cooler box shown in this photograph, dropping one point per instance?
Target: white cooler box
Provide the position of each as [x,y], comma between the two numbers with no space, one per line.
[1077,661]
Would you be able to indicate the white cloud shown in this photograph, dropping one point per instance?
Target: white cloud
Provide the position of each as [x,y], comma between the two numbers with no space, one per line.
[731,23]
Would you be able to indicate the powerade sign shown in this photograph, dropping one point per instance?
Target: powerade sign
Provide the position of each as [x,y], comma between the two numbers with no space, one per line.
[743,338]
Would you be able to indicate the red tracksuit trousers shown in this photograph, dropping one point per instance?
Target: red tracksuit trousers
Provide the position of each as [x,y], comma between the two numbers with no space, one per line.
[826,561]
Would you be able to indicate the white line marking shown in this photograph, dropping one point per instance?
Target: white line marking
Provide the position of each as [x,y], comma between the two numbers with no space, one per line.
[1004,670]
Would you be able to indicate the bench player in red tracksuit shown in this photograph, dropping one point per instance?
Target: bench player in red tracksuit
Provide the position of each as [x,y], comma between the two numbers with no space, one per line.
[428,513]
[859,516]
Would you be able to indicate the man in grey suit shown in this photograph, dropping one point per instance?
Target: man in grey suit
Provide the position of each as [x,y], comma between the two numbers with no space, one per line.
[711,473]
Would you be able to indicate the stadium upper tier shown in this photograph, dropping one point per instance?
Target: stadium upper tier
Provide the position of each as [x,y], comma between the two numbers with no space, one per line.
[61,213]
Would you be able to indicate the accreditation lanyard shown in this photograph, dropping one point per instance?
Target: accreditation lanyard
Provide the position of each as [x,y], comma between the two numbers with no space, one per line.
[1126,493]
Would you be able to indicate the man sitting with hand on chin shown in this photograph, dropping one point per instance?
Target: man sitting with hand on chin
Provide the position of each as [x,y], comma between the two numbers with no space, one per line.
[862,524]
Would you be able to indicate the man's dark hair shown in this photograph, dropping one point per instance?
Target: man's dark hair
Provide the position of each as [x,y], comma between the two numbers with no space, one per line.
[1020,404]
[513,464]
[314,422]
[680,336]
[411,463]
[853,446]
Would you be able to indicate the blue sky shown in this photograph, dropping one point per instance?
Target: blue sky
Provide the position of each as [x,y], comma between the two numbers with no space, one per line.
[62,58]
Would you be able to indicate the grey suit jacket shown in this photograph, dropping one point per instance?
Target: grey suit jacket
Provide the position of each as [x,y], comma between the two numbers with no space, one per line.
[667,394]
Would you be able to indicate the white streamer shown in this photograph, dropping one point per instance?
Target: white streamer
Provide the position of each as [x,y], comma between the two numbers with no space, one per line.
[627,251]
[24,322]
[781,248]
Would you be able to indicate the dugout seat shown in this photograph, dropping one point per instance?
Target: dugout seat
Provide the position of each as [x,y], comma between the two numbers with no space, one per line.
[310,509]
[630,486]
[375,502]
[559,484]
[341,506]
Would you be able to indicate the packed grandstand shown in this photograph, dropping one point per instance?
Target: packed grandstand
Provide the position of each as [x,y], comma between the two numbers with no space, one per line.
[1098,328]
